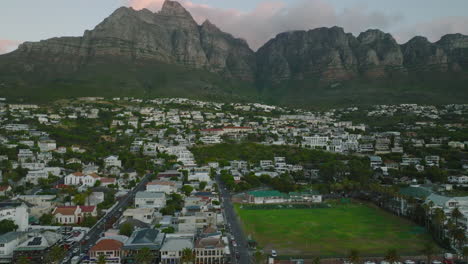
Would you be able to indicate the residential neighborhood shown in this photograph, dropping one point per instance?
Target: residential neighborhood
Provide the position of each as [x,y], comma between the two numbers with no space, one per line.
[125,180]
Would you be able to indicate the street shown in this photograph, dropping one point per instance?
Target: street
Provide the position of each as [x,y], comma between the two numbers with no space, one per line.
[234,227]
[98,229]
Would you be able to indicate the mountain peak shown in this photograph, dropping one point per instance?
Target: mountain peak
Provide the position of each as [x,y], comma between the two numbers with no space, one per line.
[174,8]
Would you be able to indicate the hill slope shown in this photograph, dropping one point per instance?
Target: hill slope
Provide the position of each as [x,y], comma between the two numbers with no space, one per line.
[168,54]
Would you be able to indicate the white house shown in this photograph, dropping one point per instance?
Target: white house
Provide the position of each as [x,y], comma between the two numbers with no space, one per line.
[17,212]
[167,187]
[70,215]
[150,200]
[146,215]
[34,176]
[9,242]
[78,178]
[112,161]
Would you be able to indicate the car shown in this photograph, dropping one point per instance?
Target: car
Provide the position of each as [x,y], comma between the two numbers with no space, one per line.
[436,262]
[234,243]
[409,262]
[75,250]
[369,262]
[86,237]
[273,253]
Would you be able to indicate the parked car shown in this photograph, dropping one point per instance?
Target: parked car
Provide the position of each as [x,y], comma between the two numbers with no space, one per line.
[409,262]
[273,253]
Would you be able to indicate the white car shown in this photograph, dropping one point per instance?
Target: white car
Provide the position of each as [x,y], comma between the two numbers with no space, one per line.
[369,262]
[436,262]
[273,253]
[409,262]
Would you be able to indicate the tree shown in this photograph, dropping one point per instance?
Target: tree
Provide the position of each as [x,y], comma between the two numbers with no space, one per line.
[316,260]
[144,256]
[354,256]
[23,260]
[392,256]
[7,226]
[55,255]
[101,259]
[465,253]
[89,221]
[429,251]
[456,214]
[188,256]
[79,199]
[187,189]
[46,219]
[168,230]
[202,185]
[259,257]
[126,229]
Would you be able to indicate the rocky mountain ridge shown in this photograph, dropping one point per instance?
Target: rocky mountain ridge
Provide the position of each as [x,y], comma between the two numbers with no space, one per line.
[142,39]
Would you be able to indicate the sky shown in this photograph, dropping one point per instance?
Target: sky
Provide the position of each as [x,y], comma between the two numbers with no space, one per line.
[253,20]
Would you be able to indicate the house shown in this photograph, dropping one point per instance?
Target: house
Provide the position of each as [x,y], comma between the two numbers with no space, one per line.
[111,248]
[8,243]
[152,239]
[209,250]
[146,215]
[107,181]
[78,178]
[36,248]
[42,204]
[73,214]
[150,200]
[462,179]
[169,174]
[171,251]
[17,212]
[166,187]
[305,197]
[47,145]
[4,189]
[112,161]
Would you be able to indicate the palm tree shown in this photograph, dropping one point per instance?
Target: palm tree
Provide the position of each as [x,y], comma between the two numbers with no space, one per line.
[101,259]
[188,256]
[460,237]
[55,255]
[144,256]
[354,256]
[316,260]
[392,256]
[23,260]
[438,219]
[465,253]
[456,215]
[429,251]
[259,257]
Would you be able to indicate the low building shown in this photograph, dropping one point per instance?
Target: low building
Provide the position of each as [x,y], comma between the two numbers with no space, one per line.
[150,200]
[8,242]
[171,251]
[71,215]
[152,239]
[36,247]
[266,197]
[110,248]
[209,250]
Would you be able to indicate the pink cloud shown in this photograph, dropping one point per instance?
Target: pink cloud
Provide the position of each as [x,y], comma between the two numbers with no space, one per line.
[272,17]
[434,29]
[7,45]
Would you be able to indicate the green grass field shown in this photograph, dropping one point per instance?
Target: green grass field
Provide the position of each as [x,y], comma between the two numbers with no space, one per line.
[332,231]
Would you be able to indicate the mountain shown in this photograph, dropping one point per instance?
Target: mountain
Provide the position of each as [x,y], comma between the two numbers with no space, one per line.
[167,53]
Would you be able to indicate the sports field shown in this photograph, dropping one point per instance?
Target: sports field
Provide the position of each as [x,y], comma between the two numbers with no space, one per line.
[332,231]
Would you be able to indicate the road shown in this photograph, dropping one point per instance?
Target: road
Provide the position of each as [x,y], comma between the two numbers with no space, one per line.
[234,226]
[98,229]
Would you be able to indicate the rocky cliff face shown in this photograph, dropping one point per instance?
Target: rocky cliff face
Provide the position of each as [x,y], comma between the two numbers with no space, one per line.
[331,54]
[172,36]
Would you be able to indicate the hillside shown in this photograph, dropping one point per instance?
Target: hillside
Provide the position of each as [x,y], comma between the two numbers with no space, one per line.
[140,53]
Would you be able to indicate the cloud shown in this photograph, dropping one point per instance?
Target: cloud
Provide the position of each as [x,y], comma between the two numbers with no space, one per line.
[434,29]
[272,17]
[8,45]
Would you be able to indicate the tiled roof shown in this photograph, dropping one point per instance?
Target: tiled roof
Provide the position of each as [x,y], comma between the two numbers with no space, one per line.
[107,244]
[79,174]
[65,210]
[87,209]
